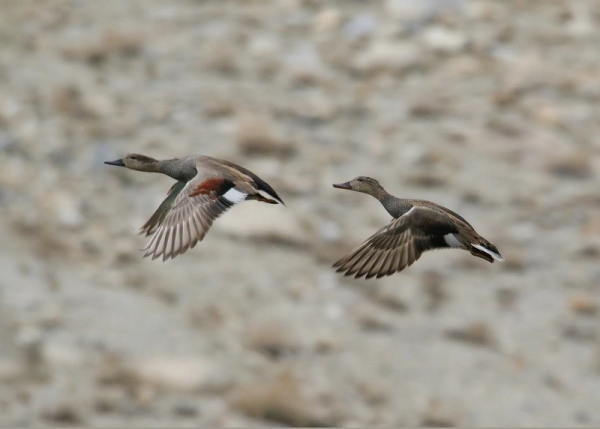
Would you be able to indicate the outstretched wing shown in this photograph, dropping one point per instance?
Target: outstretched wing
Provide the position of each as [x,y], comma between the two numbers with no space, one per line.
[196,206]
[398,244]
[162,210]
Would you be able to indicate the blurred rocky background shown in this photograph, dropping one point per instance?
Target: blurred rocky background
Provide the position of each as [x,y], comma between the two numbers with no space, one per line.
[488,107]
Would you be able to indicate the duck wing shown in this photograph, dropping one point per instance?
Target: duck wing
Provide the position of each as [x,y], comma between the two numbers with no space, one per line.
[162,210]
[398,244]
[191,213]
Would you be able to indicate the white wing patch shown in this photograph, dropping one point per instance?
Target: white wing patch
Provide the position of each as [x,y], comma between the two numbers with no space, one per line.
[452,241]
[406,214]
[494,255]
[234,196]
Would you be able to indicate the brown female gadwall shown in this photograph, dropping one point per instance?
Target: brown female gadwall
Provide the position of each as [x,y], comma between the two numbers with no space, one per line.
[417,226]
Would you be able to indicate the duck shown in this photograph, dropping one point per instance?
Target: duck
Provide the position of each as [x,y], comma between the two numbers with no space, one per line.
[417,226]
[205,188]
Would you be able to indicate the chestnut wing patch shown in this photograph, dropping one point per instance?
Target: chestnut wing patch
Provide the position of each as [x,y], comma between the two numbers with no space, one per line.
[191,215]
[215,186]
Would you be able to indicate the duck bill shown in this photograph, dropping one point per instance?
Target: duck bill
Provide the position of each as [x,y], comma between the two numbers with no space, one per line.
[118,163]
[345,185]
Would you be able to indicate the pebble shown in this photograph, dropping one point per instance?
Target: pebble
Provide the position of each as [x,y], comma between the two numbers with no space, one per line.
[327,20]
[265,222]
[477,333]
[275,339]
[10,370]
[583,304]
[256,135]
[303,65]
[61,355]
[329,230]
[389,57]
[171,373]
[67,210]
[442,40]
[439,414]
[360,26]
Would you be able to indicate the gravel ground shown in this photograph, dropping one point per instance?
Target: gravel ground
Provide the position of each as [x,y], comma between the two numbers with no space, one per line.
[488,107]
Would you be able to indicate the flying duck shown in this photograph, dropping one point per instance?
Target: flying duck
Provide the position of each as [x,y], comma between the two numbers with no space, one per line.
[206,187]
[417,226]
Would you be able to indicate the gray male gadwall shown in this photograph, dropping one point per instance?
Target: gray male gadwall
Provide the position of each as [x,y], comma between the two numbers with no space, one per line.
[206,187]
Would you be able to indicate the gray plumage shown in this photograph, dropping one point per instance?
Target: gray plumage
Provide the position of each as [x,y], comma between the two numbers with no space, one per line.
[206,187]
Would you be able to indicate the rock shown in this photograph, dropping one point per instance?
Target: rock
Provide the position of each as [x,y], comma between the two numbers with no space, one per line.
[390,298]
[111,399]
[415,11]
[8,143]
[582,24]
[111,43]
[372,318]
[303,65]
[576,167]
[434,289]
[329,230]
[31,344]
[360,26]
[578,331]
[208,317]
[256,135]
[216,105]
[222,58]
[442,40]
[507,297]
[68,100]
[13,170]
[10,370]
[265,222]
[279,399]
[583,304]
[65,400]
[63,415]
[439,414]
[183,374]
[99,105]
[327,20]
[60,355]
[67,210]
[265,52]
[549,114]
[316,107]
[391,57]
[275,339]
[476,333]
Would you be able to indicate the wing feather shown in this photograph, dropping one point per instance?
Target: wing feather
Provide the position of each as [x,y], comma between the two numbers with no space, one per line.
[190,216]
[397,245]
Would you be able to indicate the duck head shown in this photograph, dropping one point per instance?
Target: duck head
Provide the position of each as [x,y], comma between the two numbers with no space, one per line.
[135,161]
[364,184]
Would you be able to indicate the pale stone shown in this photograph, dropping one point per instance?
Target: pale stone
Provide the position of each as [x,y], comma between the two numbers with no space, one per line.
[171,373]
[441,39]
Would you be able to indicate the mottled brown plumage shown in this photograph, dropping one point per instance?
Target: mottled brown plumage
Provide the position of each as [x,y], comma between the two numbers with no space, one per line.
[418,226]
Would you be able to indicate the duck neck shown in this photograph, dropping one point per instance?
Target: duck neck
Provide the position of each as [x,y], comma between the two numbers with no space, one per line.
[380,193]
[168,167]
[177,168]
[388,201]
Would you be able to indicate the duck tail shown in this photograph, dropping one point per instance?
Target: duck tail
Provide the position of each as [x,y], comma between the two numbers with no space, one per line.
[486,250]
[266,197]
